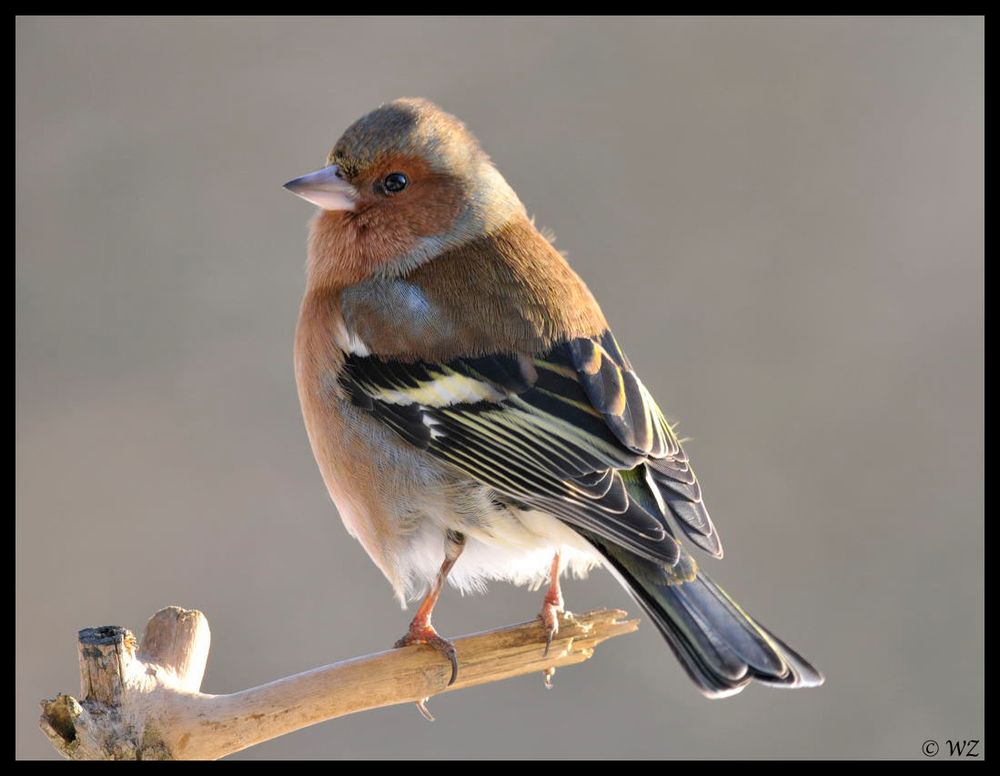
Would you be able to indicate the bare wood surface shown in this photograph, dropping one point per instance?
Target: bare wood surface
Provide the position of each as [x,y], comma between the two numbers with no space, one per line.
[147,704]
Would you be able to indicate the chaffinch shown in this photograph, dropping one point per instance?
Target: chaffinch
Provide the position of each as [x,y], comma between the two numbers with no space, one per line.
[472,414]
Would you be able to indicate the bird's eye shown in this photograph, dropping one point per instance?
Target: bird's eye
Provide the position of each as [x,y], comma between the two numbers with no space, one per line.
[394,182]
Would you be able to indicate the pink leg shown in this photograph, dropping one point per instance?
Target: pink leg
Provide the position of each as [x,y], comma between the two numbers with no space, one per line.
[421,631]
[552,606]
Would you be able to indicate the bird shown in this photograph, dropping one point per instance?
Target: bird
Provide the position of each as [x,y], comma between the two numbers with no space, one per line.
[472,414]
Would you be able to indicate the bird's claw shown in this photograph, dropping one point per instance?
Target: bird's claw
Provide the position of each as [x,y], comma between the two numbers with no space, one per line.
[425,634]
[550,620]
[424,712]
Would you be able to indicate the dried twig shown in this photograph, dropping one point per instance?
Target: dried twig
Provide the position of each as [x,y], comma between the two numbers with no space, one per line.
[147,705]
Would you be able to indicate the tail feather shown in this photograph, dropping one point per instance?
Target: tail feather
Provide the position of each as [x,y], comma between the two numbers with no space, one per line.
[720,647]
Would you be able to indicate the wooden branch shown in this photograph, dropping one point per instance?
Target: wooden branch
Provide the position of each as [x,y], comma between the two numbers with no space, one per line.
[147,705]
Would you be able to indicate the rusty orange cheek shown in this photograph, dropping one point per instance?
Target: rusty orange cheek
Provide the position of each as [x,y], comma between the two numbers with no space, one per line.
[428,206]
[347,247]
[433,206]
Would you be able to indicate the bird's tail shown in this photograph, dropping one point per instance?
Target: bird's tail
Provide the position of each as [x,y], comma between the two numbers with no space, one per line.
[720,646]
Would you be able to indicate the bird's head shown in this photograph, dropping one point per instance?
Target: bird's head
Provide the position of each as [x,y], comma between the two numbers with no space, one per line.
[403,184]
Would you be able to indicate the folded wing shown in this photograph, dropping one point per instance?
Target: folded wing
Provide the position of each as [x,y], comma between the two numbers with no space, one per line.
[573,432]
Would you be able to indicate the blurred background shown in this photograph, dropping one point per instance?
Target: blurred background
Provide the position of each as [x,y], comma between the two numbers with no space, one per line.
[783,221]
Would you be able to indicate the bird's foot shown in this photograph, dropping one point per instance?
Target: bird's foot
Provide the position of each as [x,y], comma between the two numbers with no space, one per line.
[424,633]
[551,609]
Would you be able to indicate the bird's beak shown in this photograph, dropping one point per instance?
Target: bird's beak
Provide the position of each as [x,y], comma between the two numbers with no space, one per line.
[325,189]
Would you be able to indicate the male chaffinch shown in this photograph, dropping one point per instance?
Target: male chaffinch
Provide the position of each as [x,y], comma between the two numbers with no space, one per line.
[472,414]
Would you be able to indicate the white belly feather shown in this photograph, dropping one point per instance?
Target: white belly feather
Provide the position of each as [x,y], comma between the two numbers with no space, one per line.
[517,546]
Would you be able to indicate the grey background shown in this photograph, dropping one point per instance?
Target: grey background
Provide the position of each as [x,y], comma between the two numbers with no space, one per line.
[783,220]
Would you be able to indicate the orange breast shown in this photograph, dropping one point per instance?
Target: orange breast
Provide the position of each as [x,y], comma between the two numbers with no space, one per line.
[343,451]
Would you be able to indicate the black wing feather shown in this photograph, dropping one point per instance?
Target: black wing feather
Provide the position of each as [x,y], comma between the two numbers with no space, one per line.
[573,432]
